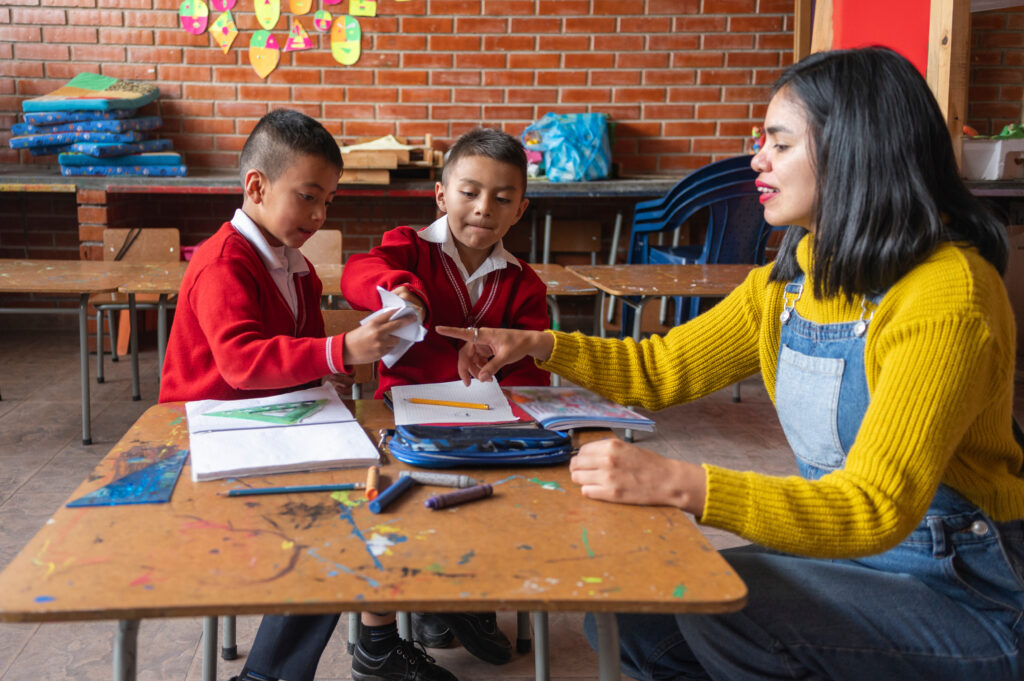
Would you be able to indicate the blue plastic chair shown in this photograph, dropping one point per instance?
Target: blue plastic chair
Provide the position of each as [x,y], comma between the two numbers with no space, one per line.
[735,233]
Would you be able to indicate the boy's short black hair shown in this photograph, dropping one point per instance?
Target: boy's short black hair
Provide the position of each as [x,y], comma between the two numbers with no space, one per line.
[489,143]
[279,136]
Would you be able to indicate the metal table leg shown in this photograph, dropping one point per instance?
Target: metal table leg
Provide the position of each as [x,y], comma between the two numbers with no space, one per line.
[541,659]
[134,337]
[404,625]
[126,640]
[608,665]
[209,649]
[522,631]
[228,649]
[83,351]
[161,335]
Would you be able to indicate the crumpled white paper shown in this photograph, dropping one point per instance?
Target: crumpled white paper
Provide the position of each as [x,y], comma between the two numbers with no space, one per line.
[408,334]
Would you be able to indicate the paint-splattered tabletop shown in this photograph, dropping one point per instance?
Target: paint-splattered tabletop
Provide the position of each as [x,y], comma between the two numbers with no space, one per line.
[663,280]
[536,544]
[83,276]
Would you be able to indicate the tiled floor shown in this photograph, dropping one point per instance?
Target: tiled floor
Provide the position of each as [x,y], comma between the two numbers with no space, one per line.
[42,461]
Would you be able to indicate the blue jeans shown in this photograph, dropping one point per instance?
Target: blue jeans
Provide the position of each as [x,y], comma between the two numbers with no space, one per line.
[818,619]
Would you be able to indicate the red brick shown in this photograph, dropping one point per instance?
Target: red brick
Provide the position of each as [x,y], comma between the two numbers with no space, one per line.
[718,144]
[618,77]
[41,51]
[730,41]
[509,43]
[721,111]
[427,60]
[125,36]
[446,78]
[503,78]
[534,25]
[534,61]
[405,77]
[483,95]
[24,15]
[619,43]
[999,75]
[580,95]
[455,7]
[454,43]
[674,43]
[480,60]
[564,77]
[625,130]
[760,24]
[563,43]
[24,34]
[752,59]
[675,7]
[395,112]
[154,19]
[670,77]
[92,214]
[372,94]
[697,59]
[746,94]
[664,145]
[603,60]
[425,95]
[988,21]
[775,41]
[668,111]
[264,92]
[474,25]
[730,6]
[450,113]
[532,95]
[645,24]
[340,76]
[637,94]
[504,113]
[154,55]
[428,24]
[723,76]
[209,126]
[592,25]
[563,7]
[368,128]
[619,7]
[689,128]
[346,112]
[642,60]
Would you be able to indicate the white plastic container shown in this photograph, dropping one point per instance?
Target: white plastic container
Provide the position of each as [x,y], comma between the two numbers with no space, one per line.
[999,159]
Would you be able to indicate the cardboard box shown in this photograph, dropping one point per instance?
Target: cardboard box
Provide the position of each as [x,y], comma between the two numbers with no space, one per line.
[993,159]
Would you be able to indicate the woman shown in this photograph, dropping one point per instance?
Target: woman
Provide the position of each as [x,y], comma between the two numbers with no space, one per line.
[885,338]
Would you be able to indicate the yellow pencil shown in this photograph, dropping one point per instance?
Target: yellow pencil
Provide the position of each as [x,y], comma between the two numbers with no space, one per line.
[446,403]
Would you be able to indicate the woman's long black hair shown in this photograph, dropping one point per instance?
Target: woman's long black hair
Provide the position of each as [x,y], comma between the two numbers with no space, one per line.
[888,188]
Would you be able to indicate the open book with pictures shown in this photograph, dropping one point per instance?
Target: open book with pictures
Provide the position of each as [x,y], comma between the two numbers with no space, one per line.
[565,408]
[304,430]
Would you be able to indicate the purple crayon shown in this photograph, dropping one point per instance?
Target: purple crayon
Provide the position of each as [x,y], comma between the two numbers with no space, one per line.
[459,496]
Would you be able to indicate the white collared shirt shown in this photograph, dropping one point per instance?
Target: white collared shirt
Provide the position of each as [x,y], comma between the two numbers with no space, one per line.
[281,261]
[439,233]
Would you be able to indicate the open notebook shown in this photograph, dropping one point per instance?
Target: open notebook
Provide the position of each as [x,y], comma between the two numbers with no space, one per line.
[304,430]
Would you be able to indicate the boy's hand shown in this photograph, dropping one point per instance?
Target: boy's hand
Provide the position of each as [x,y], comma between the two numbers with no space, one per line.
[372,340]
[408,296]
[487,350]
[342,383]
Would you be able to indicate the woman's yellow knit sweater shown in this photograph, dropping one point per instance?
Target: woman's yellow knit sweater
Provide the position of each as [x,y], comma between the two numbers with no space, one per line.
[939,359]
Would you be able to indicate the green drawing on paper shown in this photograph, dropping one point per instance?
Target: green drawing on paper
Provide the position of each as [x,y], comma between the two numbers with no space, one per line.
[285,414]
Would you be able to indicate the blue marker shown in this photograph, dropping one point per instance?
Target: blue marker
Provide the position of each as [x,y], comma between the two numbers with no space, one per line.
[396,490]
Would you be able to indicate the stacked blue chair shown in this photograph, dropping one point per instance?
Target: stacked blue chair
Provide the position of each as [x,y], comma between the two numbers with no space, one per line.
[735,233]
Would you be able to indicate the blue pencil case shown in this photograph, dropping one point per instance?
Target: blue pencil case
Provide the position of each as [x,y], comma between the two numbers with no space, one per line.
[457,446]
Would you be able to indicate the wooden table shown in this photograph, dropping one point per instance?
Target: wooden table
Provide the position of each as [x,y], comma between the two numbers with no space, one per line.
[637,285]
[63,277]
[203,554]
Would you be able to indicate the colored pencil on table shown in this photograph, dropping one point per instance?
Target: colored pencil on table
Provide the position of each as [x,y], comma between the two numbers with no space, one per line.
[250,491]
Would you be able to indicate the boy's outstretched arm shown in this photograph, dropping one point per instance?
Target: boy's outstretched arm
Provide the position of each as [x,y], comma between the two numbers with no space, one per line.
[488,350]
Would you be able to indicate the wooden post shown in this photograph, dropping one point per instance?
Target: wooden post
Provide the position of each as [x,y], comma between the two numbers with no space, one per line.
[949,36]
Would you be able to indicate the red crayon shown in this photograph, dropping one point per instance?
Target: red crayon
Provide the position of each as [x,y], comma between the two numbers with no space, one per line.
[460,496]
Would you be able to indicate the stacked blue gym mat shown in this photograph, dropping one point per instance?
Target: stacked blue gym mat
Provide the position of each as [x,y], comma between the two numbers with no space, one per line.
[93,126]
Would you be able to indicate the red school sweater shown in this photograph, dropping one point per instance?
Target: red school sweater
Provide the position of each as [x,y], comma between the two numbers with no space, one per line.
[512,298]
[234,335]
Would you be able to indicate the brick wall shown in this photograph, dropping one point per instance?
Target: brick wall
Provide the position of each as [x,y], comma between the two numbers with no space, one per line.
[997,69]
[684,80]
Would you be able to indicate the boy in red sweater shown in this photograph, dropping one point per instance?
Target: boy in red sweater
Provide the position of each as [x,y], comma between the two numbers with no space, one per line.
[248,324]
[456,273]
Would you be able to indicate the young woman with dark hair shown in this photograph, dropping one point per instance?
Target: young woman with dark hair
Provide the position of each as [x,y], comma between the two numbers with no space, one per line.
[886,340]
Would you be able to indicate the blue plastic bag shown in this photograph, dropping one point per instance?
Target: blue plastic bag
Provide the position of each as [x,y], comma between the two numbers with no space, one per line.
[575,146]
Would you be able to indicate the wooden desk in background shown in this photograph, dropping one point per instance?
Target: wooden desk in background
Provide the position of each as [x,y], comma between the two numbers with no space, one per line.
[647,282]
[63,277]
[203,554]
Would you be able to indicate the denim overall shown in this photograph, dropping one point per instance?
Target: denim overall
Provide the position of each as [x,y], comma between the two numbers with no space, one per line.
[946,603]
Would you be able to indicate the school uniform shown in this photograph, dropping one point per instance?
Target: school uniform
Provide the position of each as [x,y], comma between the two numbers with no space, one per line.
[248,321]
[504,292]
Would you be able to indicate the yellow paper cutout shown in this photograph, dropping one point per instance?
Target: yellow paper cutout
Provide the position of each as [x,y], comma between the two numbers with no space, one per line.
[263,53]
[322,21]
[300,6]
[224,31]
[193,15]
[345,38]
[362,8]
[222,5]
[267,13]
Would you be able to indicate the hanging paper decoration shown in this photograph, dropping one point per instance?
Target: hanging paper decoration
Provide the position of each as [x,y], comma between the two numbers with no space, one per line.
[300,6]
[322,21]
[222,5]
[268,12]
[224,31]
[362,8]
[345,37]
[298,39]
[193,16]
[263,53]
[331,2]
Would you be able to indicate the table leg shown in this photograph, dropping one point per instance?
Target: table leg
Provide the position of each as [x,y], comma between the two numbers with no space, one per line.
[126,640]
[209,649]
[541,659]
[353,632]
[556,324]
[404,625]
[83,351]
[522,631]
[608,664]
[228,649]
[638,314]
[161,336]
[133,335]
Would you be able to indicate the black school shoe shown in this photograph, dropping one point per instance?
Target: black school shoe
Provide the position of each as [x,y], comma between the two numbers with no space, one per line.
[431,631]
[404,662]
[478,633]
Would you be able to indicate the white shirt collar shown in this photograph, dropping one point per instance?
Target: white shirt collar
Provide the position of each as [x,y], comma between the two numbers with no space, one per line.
[439,233]
[275,258]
